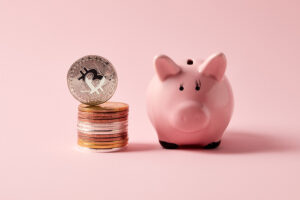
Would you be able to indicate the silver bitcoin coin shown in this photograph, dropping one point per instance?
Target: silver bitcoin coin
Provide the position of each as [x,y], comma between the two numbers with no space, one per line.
[92,80]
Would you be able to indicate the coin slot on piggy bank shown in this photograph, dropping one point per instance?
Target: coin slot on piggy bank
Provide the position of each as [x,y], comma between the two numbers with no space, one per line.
[190,105]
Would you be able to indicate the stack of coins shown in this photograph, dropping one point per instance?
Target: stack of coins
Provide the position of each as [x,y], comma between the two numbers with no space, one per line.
[102,125]
[103,128]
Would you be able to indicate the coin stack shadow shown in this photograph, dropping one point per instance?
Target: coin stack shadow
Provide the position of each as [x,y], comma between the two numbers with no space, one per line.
[103,128]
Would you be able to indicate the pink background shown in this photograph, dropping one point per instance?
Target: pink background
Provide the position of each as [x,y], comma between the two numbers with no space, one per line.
[39,40]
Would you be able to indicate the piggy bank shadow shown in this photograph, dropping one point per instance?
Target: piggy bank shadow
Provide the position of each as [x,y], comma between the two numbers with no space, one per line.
[233,142]
[239,142]
[138,147]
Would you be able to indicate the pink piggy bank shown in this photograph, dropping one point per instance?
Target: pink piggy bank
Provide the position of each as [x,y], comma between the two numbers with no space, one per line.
[191,103]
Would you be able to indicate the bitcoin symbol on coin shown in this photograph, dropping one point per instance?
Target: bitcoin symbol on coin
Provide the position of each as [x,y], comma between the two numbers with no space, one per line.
[92,80]
[89,81]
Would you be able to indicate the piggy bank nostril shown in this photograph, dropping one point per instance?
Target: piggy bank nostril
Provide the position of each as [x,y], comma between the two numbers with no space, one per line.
[190,117]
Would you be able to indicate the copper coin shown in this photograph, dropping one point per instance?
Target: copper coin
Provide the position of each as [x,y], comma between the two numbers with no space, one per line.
[111,116]
[103,121]
[102,135]
[100,114]
[102,117]
[105,107]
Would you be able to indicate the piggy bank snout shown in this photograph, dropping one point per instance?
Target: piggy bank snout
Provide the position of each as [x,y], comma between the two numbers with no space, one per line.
[190,117]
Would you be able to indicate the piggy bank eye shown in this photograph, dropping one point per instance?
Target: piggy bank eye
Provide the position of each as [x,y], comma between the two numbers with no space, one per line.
[198,84]
[189,62]
[181,88]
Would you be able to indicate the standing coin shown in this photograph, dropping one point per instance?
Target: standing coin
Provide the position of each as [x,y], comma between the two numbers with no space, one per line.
[92,80]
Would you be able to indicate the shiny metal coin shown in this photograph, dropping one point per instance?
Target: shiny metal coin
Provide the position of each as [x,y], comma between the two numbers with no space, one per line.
[93,130]
[104,125]
[101,132]
[92,80]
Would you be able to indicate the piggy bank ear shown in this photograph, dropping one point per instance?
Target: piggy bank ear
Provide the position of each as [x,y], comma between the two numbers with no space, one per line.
[214,66]
[165,67]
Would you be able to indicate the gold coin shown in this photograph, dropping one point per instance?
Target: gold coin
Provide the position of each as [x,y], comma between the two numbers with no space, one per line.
[102,146]
[105,107]
[102,142]
[107,139]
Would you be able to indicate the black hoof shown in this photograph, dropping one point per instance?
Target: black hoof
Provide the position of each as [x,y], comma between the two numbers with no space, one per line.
[167,145]
[212,145]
